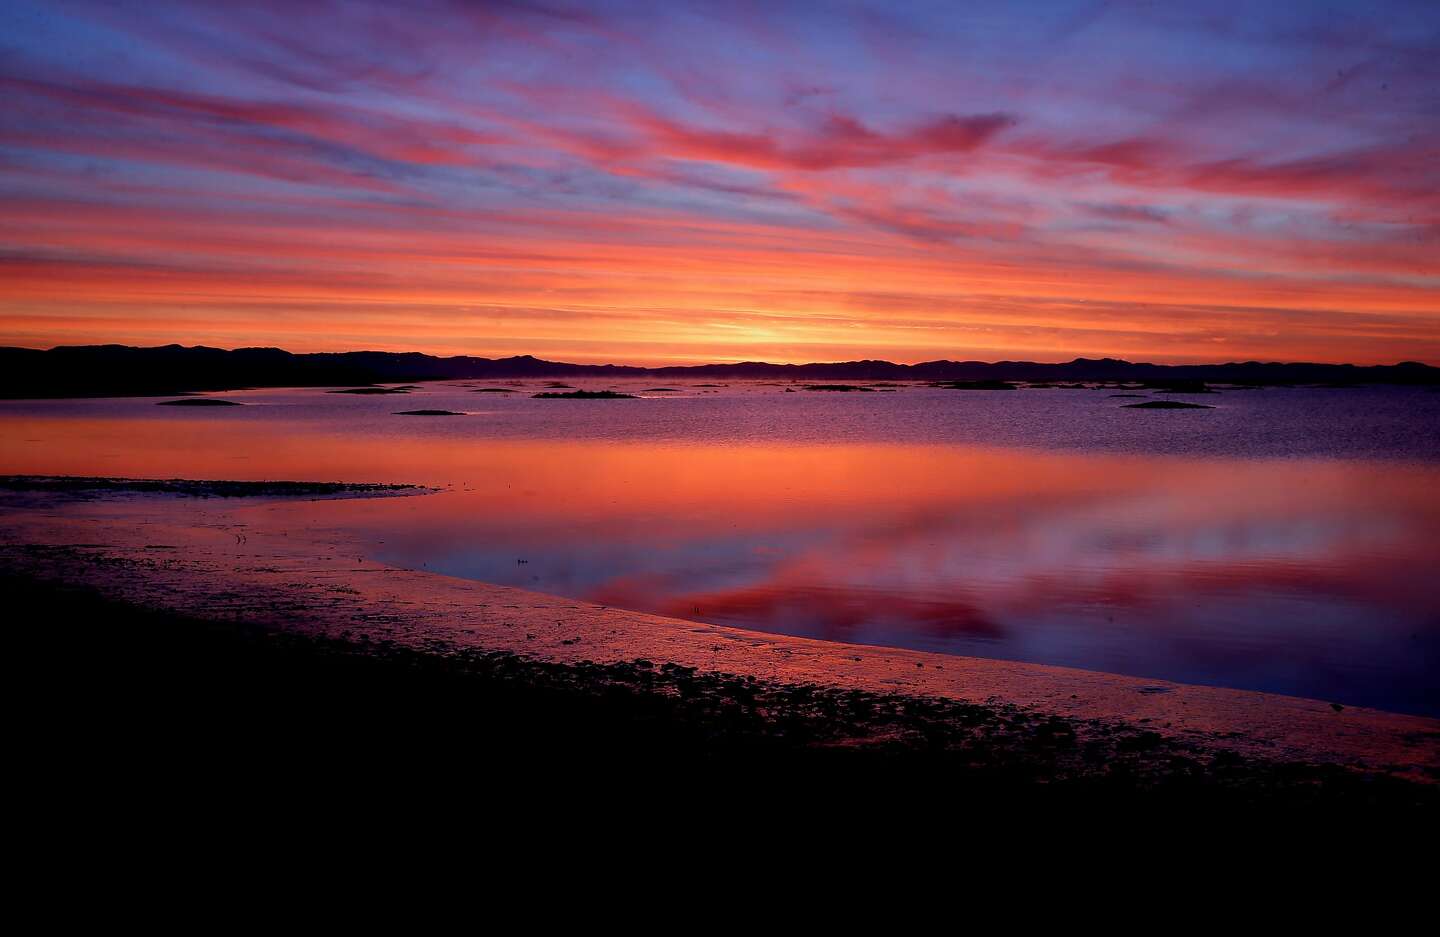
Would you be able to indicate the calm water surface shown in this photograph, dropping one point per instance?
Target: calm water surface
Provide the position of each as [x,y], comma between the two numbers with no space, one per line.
[1285,540]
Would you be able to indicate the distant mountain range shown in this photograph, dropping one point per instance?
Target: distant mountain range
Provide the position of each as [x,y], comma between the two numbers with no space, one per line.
[121,370]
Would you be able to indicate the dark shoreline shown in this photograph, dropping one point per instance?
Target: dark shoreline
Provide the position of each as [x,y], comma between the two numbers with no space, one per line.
[148,693]
[119,371]
[101,486]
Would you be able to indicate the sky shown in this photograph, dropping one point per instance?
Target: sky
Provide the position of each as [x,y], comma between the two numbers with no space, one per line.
[681,182]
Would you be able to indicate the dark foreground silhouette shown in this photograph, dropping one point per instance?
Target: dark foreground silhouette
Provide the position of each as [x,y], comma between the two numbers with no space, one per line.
[135,702]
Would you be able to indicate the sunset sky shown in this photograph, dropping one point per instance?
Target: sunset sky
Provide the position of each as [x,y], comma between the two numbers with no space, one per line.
[677,182]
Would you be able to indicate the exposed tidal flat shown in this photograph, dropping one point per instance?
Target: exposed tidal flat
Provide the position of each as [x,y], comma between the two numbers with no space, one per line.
[1038,584]
[79,486]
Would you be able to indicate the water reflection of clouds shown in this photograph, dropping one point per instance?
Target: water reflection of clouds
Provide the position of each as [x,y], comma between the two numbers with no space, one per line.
[1292,575]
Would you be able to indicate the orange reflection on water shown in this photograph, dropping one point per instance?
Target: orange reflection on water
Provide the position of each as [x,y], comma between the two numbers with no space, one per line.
[1307,576]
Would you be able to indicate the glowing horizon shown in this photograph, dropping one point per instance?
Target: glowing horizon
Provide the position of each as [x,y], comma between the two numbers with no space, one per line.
[692,182]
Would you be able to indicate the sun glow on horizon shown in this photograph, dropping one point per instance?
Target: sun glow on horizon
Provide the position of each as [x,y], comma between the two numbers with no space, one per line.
[695,183]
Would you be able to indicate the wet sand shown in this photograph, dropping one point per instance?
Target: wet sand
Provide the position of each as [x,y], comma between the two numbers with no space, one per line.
[193,596]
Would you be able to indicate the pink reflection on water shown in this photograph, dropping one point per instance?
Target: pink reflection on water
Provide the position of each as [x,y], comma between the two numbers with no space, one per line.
[1313,577]
[1306,577]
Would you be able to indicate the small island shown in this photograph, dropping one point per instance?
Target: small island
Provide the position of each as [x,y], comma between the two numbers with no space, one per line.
[975,385]
[427,413]
[1167,405]
[368,391]
[586,395]
[199,402]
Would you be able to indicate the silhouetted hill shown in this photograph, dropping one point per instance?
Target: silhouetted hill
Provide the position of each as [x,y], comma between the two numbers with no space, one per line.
[120,370]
